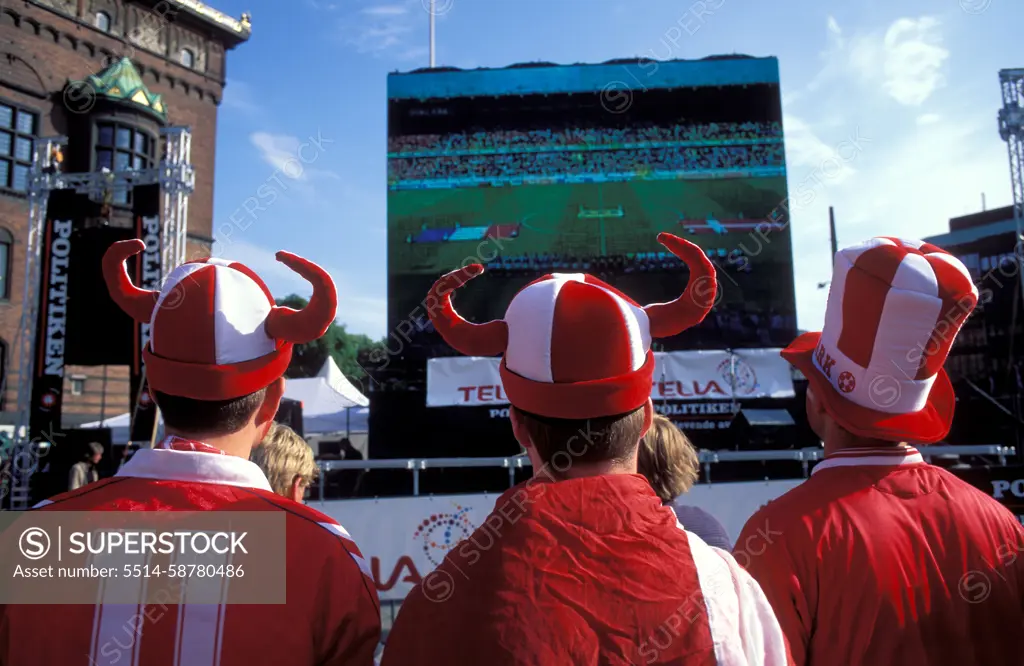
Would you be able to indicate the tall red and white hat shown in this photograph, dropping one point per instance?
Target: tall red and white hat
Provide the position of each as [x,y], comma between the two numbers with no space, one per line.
[894,308]
[215,333]
[575,347]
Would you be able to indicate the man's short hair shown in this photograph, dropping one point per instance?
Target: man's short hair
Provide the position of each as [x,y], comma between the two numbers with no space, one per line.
[208,417]
[563,442]
[95,449]
[668,459]
[283,455]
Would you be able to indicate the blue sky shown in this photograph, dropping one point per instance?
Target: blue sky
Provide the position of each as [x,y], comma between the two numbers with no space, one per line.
[912,83]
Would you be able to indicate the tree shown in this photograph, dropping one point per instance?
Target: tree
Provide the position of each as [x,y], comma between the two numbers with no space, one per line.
[344,347]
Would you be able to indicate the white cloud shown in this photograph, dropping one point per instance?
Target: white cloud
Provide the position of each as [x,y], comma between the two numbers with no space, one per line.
[385,10]
[907,60]
[396,31]
[804,148]
[360,313]
[290,156]
[916,169]
[833,27]
[323,6]
[914,58]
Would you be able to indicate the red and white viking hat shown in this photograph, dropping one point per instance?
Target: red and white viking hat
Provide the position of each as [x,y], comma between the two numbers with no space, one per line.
[894,308]
[575,347]
[215,333]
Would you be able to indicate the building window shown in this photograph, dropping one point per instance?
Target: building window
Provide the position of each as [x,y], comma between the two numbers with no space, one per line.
[103,21]
[6,243]
[188,58]
[122,147]
[17,137]
[77,384]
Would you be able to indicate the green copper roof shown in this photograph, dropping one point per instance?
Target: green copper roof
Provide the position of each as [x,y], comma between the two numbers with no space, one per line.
[121,82]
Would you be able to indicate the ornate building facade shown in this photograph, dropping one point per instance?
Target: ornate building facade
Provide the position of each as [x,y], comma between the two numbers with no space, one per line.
[108,74]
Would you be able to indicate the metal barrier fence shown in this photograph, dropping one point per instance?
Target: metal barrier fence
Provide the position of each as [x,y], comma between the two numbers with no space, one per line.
[707,459]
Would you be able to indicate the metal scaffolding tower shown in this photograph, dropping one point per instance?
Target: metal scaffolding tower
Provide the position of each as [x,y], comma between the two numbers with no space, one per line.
[1011,130]
[176,178]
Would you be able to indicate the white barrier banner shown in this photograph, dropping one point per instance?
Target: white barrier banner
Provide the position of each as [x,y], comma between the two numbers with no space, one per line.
[404,538]
[691,375]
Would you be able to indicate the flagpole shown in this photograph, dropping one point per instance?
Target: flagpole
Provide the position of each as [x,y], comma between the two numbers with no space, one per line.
[433,16]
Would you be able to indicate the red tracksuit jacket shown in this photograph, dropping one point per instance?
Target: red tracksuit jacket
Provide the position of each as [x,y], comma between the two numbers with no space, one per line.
[331,617]
[880,558]
[585,572]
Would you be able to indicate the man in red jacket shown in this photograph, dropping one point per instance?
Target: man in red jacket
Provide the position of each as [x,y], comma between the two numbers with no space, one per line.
[215,360]
[879,557]
[582,564]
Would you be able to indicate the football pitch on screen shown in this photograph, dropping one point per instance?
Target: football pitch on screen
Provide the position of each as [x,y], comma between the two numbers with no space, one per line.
[435,230]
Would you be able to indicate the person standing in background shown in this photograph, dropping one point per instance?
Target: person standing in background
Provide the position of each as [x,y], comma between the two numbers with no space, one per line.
[671,465]
[582,563]
[84,471]
[287,460]
[215,360]
[880,557]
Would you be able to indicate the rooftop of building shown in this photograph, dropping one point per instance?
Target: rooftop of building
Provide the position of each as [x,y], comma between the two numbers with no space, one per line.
[614,61]
[232,31]
[238,30]
[120,82]
[611,78]
[976,226]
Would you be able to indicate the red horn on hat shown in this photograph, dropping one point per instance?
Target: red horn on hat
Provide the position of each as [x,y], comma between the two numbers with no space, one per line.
[138,303]
[471,339]
[312,321]
[668,319]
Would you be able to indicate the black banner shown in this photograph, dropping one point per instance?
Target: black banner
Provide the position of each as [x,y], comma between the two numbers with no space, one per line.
[64,208]
[99,332]
[147,276]
[1004,484]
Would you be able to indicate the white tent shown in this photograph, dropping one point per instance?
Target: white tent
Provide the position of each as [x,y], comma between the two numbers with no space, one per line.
[354,420]
[330,403]
[329,392]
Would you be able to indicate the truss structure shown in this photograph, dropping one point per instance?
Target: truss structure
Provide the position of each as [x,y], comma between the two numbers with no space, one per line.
[176,178]
[1011,130]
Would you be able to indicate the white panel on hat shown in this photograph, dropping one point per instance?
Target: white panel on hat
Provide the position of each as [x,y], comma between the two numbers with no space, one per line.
[219,262]
[176,276]
[916,244]
[638,326]
[915,274]
[240,308]
[530,319]
[908,319]
[851,254]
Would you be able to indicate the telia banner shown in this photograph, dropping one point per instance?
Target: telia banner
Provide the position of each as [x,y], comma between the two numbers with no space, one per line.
[690,375]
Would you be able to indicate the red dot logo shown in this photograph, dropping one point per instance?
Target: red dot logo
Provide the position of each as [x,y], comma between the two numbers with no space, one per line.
[847,382]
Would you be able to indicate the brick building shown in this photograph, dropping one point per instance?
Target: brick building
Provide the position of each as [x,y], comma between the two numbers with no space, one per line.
[148,64]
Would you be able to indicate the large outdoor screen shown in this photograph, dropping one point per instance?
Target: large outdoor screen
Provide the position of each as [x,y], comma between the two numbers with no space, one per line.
[542,168]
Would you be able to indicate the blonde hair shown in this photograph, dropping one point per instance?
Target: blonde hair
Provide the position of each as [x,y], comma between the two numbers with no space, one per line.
[283,455]
[668,459]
